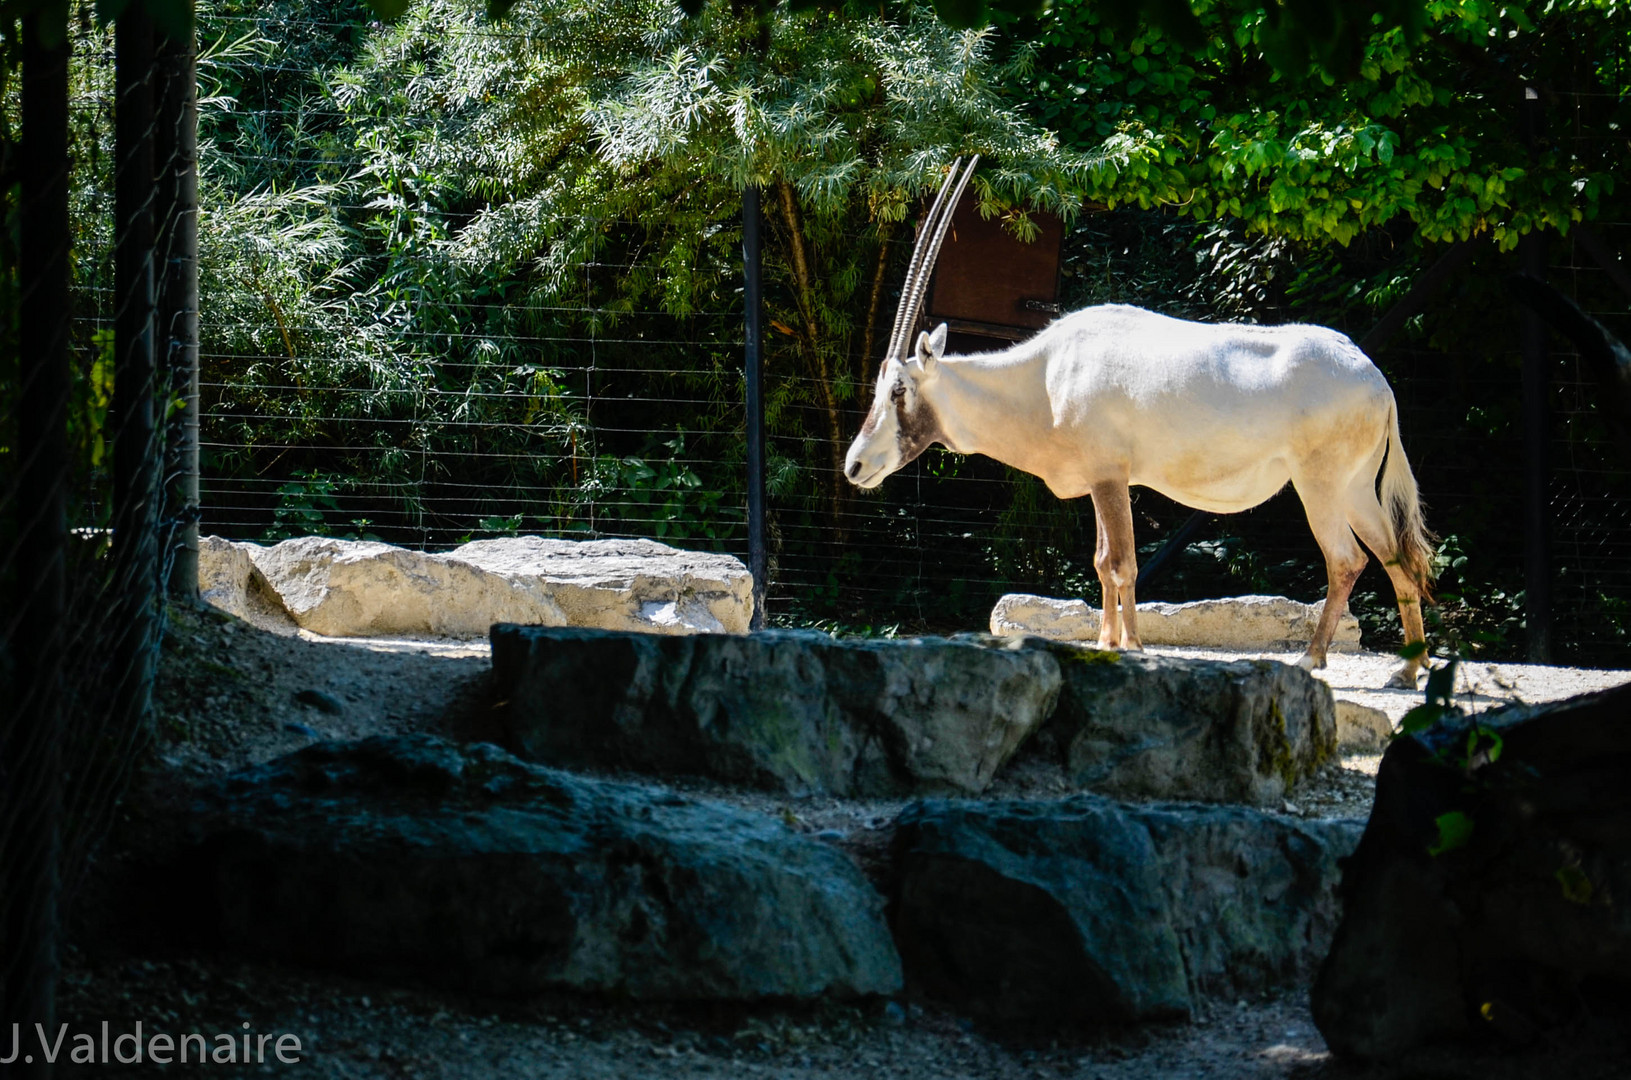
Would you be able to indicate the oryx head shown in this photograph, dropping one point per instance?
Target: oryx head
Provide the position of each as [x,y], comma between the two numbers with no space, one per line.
[902,424]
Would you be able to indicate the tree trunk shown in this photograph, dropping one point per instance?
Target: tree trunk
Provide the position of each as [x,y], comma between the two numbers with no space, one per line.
[810,339]
[880,273]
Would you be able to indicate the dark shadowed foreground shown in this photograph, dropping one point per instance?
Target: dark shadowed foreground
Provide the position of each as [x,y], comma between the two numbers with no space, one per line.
[231,696]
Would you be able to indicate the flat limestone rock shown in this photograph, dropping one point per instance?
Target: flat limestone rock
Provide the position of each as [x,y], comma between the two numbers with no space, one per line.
[1361,729]
[780,709]
[359,588]
[411,856]
[229,580]
[1085,911]
[1265,623]
[623,584]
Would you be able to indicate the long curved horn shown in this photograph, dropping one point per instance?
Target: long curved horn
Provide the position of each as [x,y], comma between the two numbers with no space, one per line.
[926,252]
[912,268]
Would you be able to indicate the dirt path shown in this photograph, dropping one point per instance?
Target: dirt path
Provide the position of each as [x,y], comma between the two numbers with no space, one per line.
[230,695]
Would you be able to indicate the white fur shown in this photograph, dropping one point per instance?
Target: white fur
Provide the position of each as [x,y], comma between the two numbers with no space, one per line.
[1214,416]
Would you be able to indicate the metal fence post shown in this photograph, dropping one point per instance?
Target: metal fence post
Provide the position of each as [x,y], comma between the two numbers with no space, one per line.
[136,454]
[176,214]
[1537,556]
[752,299]
[31,739]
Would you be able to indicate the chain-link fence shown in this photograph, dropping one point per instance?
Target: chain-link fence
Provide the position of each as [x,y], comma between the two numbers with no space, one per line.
[97,421]
[313,391]
[370,391]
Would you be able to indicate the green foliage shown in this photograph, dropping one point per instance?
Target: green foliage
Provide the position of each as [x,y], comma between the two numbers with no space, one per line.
[414,232]
[309,506]
[1428,132]
[1440,695]
[424,239]
[1326,31]
[1454,831]
[1576,886]
[664,498]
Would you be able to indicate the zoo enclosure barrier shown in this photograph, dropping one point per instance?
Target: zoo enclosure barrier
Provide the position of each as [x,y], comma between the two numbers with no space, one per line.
[586,421]
[585,417]
[589,417]
[98,436]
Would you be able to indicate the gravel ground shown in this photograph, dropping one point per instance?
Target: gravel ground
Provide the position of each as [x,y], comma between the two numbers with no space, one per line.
[1359,677]
[231,695]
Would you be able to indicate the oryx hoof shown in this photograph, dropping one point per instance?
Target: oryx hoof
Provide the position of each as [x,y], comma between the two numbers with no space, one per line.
[1310,662]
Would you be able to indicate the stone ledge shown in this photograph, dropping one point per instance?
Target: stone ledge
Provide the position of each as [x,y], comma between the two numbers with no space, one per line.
[462,866]
[1089,912]
[801,712]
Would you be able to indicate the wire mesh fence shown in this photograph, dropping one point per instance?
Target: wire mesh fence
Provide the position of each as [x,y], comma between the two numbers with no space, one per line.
[395,395]
[95,422]
[364,396]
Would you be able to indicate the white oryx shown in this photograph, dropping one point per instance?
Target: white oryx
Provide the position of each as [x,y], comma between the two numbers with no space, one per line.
[1215,416]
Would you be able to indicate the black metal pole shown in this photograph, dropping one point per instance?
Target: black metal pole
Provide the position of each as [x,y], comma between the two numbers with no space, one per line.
[31,736]
[1161,562]
[176,214]
[136,451]
[1536,434]
[753,317]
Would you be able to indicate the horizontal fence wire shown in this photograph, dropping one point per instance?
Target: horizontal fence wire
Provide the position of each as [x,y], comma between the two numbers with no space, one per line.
[332,404]
[589,416]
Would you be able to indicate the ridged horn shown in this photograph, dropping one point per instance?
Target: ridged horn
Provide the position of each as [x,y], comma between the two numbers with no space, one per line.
[926,251]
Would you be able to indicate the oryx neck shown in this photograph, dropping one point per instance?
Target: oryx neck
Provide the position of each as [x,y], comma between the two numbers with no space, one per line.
[983,399]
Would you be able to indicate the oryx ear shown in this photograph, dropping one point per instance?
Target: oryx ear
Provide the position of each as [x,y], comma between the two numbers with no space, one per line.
[931,346]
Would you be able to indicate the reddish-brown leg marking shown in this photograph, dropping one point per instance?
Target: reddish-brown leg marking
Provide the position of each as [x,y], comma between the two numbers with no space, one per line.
[1116,561]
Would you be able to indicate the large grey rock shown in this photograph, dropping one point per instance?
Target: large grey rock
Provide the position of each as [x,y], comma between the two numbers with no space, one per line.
[794,710]
[1487,900]
[1136,725]
[802,712]
[1088,911]
[465,867]
[349,588]
[1255,623]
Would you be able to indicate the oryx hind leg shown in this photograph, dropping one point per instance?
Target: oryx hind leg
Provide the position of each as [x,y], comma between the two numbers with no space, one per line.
[1344,559]
[1116,561]
[1370,521]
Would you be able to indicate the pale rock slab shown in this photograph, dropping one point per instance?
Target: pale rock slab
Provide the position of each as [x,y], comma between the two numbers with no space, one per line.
[622,584]
[229,580]
[359,588]
[1265,623]
[1361,729]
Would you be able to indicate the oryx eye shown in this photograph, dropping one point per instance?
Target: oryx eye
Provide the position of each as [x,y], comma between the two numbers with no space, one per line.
[897,391]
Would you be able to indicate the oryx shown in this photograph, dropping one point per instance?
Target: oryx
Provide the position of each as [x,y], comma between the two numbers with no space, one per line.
[1215,416]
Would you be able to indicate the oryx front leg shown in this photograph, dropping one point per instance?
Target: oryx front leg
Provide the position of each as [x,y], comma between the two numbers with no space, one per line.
[1116,561]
